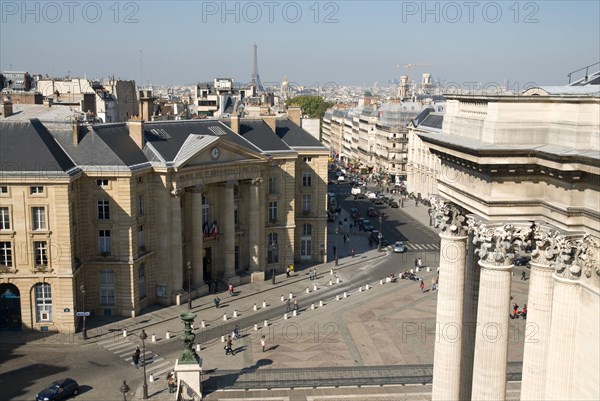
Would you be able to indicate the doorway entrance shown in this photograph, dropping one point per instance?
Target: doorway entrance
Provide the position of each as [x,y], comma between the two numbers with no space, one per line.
[207,265]
[10,307]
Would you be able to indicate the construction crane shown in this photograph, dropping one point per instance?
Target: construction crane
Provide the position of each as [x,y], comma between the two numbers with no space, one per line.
[409,66]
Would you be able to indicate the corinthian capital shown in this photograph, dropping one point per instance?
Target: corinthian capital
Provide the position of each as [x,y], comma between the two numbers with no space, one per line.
[200,188]
[496,244]
[230,183]
[586,256]
[256,181]
[449,217]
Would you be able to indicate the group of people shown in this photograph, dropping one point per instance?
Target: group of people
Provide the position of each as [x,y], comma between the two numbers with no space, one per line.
[516,313]
[312,274]
[289,306]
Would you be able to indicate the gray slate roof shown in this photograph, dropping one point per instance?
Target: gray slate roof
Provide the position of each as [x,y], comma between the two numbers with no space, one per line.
[295,136]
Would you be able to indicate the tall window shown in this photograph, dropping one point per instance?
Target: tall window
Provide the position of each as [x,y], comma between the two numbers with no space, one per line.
[4,219]
[107,287]
[140,204]
[103,209]
[205,211]
[272,211]
[6,254]
[41,253]
[306,241]
[104,242]
[142,281]
[43,302]
[273,252]
[306,179]
[306,230]
[141,243]
[38,218]
[272,185]
[306,203]
[236,215]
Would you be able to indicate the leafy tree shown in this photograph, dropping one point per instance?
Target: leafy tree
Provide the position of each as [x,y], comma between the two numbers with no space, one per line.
[313,106]
[368,93]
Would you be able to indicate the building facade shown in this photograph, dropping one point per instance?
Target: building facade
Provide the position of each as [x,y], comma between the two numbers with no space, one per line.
[136,213]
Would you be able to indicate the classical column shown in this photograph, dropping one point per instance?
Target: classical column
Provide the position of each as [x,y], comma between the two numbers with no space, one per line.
[539,317]
[227,238]
[254,226]
[176,241]
[197,242]
[491,342]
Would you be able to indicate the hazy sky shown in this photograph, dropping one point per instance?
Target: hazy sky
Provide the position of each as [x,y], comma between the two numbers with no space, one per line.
[346,42]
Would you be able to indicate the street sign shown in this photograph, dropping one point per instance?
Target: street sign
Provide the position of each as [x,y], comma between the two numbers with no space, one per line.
[82,314]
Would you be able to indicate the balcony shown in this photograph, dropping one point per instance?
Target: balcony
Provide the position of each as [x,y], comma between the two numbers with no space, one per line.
[41,269]
[7,270]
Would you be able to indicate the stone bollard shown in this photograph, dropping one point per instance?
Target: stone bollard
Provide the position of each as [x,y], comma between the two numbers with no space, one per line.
[222,339]
[198,348]
[282,298]
[331,272]
[203,324]
[291,296]
[266,323]
[255,327]
[330,282]
[417,269]
[224,317]
[412,271]
[428,269]
[151,378]
[264,304]
[367,287]
[294,313]
[124,332]
[255,308]
[285,316]
[314,287]
[312,306]
[307,290]
[153,338]
[337,297]
[359,289]
[320,303]
[234,313]
[345,294]
[168,336]
[337,280]
[380,282]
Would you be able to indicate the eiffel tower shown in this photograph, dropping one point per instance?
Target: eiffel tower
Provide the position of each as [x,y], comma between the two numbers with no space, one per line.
[255,78]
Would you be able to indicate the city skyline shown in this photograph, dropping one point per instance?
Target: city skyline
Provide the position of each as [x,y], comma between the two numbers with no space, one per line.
[357,42]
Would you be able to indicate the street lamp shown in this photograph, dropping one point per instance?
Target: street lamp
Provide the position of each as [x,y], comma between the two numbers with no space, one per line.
[143,337]
[124,389]
[84,331]
[337,251]
[189,267]
[380,235]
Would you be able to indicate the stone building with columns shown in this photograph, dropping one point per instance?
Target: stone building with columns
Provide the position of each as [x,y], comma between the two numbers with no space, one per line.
[523,179]
[113,218]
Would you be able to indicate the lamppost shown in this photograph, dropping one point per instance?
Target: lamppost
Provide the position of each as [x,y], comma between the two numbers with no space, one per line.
[84,331]
[124,389]
[143,337]
[189,267]
[337,251]
[380,234]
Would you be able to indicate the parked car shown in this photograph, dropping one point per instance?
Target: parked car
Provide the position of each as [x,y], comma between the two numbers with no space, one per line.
[366,225]
[371,212]
[341,179]
[522,261]
[59,390]
[371,195]
[394,204]
[378,201]
[361,196]
[399,247]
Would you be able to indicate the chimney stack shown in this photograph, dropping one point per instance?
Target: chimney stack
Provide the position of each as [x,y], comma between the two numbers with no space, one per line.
[295,115]
[235,123]
[7,107]
[136,131]
[75,130]
[271,121]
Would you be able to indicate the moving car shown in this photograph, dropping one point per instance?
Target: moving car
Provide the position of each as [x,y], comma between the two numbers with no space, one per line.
[59,390]
[399,247]
[371,212]
[354,212]
[522,261]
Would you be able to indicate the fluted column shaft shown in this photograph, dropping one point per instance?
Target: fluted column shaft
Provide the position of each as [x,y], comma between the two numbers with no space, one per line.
[539,316]
[561,345]
[176,244]
[228,234]
[254,226]
[491,343]
[197,244]
[449,319]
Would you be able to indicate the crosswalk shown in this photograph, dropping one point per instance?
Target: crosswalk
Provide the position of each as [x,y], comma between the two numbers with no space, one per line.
[422,247]
[124,349]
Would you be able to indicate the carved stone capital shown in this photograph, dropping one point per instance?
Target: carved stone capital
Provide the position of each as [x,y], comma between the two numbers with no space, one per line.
[496,244]
[256,181]
[199,188]
[546,248]
[586,257]
[176,192]
[449,217]
[230,183]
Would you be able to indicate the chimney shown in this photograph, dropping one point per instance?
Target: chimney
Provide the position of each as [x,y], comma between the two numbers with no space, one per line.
[271,121]
[75,131]
[7,107]
[235,123]
[295,114]
[48,102]
[136,131]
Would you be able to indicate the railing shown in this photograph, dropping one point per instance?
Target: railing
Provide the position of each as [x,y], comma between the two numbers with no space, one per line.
[586,68]
[186,393]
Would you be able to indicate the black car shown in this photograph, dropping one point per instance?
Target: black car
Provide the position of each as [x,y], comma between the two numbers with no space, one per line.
[522,261]
[394,204]
[59,390]
[371,212]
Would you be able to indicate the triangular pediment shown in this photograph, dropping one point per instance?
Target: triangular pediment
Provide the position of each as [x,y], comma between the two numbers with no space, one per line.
[200,150]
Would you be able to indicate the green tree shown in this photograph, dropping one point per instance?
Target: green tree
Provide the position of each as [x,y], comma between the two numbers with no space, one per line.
[313,106]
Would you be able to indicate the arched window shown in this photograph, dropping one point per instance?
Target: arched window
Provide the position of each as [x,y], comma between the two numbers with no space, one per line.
[43,302]
[273,253]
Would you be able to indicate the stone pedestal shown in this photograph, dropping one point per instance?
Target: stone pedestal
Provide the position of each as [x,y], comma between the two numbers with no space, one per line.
[191,376]
[561,345]
[539,315]
[447,354]
[257,277]
[491,343]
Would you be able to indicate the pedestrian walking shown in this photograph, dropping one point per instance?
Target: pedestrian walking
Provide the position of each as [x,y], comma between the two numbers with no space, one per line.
[136,357]
[296,305]
[217,301]
[171,382]
[422,286]
[416,262]
[523,275]
[236,332]
[229,346]
[432,284]
[230,289]
[334,251]
[419,263]
[353,252]
[288,305]
[315,274]
[287,272]
[263,342]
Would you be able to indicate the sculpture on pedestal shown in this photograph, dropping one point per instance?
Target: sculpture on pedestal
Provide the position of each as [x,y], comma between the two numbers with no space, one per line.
[188,355]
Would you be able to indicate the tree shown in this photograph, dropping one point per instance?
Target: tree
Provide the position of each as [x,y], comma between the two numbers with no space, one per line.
[368,93]
[313,106]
